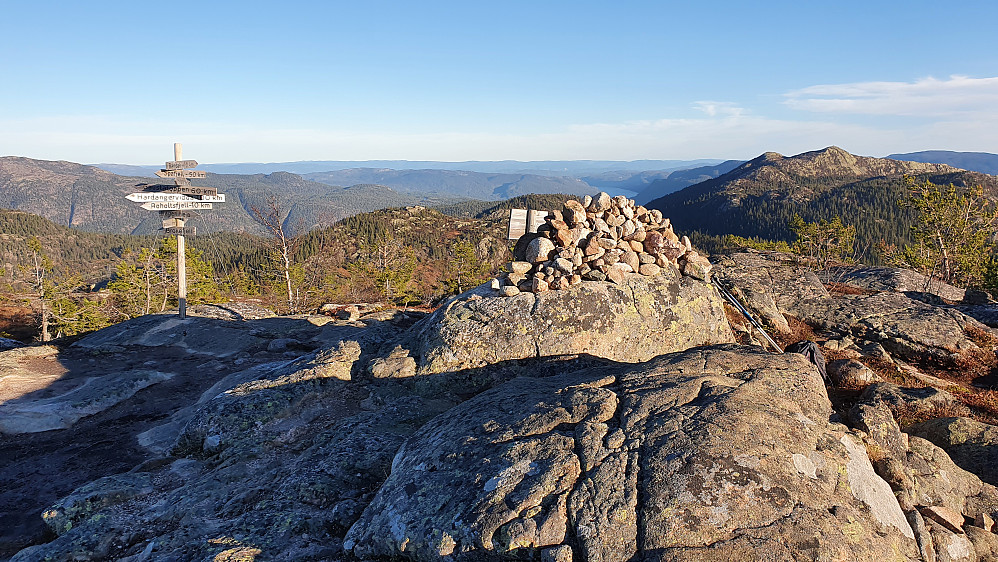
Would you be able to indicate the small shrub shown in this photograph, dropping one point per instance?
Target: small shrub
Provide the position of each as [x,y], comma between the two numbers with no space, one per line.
[799,331]
[984,404]
[980,336]
[908,415]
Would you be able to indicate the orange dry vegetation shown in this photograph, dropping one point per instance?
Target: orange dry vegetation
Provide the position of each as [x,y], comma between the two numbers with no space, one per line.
[18,321]
[799,331]
[843,289]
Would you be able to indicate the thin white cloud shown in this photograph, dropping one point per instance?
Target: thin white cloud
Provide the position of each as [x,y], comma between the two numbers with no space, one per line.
[715,108]
[928,97]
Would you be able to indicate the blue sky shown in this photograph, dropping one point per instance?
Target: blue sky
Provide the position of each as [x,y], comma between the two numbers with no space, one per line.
[268,81]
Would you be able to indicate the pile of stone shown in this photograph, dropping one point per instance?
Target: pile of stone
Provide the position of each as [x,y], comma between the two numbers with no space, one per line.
[602,238]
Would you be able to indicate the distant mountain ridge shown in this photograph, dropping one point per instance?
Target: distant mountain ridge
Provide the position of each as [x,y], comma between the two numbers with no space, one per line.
[759,197]
[683,178]
[93,199]
[479,180]
[983,162]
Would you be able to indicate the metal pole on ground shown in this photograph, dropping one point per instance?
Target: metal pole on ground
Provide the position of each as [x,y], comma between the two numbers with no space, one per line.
[740,308]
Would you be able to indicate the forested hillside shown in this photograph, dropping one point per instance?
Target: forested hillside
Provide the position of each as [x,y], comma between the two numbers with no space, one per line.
[485,209]
[759,198]
[405,256]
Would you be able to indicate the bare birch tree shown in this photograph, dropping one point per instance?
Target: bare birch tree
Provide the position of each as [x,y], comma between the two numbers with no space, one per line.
[283,250]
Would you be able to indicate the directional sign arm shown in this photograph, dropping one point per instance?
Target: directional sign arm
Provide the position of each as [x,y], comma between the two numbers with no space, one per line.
[176,206]
[181,164]
[182,230]
[161,196]
[193,174]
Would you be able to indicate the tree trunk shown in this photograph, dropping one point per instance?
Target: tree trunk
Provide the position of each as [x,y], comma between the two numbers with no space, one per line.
[148,289]
[45,321]
[947,273]
[287,280]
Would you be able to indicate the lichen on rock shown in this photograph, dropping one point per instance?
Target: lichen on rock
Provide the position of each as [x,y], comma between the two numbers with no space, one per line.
[631,322]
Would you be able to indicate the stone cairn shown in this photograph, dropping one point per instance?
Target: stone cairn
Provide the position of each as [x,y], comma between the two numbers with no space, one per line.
[602,238]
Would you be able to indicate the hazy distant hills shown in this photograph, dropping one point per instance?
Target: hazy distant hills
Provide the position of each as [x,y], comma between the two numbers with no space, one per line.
[474,185]
[758,197]
[92,199]
[983,162]
[484,180]
[570,168]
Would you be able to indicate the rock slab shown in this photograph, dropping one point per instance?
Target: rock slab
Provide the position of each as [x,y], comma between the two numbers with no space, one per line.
[631,322]
[719,453]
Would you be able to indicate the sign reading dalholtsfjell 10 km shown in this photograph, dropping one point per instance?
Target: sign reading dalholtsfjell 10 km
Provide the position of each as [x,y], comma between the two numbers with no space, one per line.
[173,202]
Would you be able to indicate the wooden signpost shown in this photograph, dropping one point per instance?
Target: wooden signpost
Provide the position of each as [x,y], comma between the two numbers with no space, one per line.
[181,165]
[174,203]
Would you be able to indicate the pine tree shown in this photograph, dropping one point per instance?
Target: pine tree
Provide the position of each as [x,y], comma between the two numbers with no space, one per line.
[394,264]
[956,234]
[825,241]
[464,268]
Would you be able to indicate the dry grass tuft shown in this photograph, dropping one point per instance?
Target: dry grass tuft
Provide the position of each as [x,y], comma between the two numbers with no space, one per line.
[839,289]
[799,331]
[875,453]
[908,415]
[981,337]
[983,405]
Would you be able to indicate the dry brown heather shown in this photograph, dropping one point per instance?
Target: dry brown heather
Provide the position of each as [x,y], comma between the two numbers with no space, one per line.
[602,238]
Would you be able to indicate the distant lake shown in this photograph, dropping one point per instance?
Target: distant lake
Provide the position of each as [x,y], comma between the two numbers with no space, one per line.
[613,192]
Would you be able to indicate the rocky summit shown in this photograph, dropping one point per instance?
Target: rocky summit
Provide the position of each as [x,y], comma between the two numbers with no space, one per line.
[604,421]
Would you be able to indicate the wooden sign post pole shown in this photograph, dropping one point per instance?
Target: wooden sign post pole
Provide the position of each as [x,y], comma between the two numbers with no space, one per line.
[173,203]
[181,254]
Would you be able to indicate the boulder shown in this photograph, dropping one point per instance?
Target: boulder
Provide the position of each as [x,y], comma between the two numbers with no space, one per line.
[910,329]
[950,546]
[348,313]
[720,453]
[695,265]
[206,336]
[97,394]
[915,402]
[539,250]
[893,279]
[986,314]
[985,543]
[632,321]
[87,500]
[971,444]
[280,463]
[851,373]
